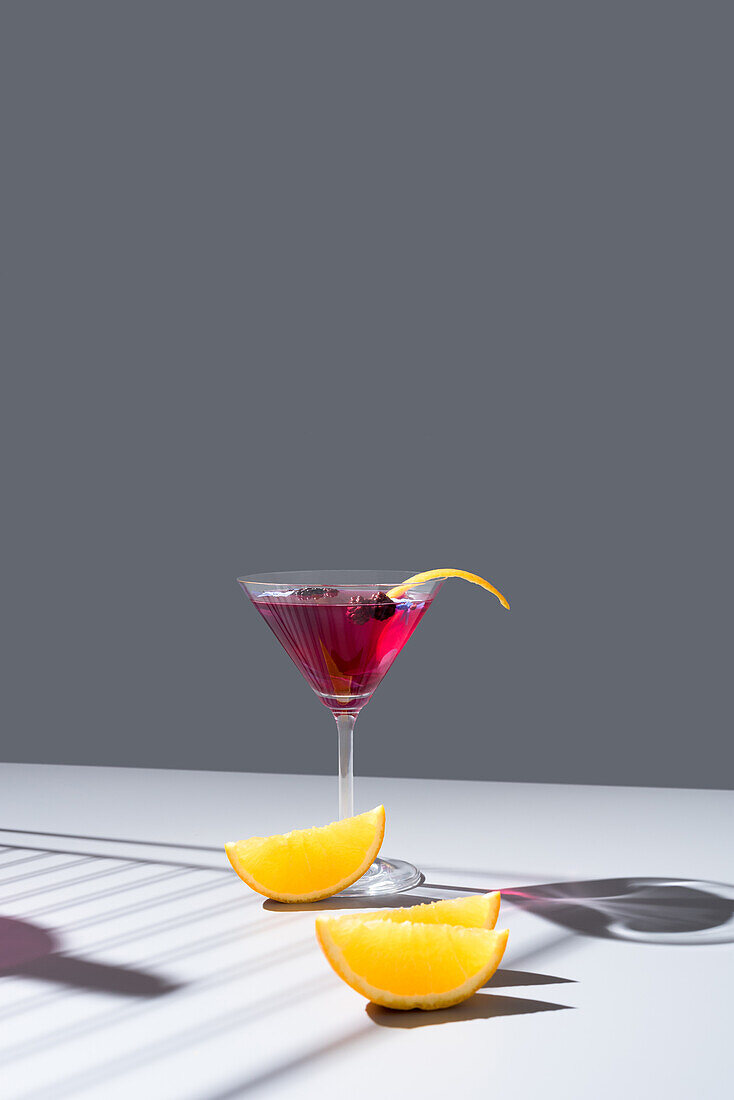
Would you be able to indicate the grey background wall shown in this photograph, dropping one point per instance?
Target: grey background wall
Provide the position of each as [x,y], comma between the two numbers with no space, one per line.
[391,285]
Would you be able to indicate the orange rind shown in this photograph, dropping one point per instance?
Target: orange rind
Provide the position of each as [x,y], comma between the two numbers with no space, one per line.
[443,574]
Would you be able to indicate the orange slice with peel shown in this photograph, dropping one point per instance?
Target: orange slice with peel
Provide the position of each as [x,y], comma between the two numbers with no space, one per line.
[410,965]
[442,574]
[474,911]
[309,864]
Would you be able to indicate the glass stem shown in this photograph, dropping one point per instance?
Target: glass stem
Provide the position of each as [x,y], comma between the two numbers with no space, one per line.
[345,732]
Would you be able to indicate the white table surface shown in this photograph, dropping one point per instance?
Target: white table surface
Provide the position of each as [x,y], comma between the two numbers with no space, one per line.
[160,975]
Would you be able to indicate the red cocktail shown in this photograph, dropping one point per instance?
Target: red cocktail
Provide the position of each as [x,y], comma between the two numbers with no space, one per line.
[342,640]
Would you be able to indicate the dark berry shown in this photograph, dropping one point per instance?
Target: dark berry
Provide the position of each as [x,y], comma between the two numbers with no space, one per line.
[383,606]
[313,592]
[360,610]
[364,608]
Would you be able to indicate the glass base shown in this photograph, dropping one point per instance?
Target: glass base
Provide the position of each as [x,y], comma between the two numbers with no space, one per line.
[385,876]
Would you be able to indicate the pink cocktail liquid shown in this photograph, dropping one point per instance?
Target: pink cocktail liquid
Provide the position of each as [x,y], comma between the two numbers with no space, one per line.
[343,641]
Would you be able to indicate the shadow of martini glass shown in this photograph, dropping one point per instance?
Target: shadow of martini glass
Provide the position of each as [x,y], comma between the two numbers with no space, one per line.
[29,951]
[640,909]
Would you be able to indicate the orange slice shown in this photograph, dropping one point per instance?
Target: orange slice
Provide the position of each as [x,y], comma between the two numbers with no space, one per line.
[475,911]
[442,574]
[309,864]
[407,965]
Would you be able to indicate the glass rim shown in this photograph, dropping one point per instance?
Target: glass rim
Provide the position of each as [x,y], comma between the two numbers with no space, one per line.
[341,578]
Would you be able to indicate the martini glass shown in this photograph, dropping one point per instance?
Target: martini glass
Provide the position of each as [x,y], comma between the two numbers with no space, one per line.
[343,632]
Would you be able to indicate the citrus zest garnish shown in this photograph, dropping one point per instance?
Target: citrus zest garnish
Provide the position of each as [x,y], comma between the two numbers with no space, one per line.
[309,864]
[410,965]
[442,574]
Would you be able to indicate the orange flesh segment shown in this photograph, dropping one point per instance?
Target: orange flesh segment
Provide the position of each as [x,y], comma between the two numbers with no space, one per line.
[406,965]
[309,864]
[475,911]
[443,574]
